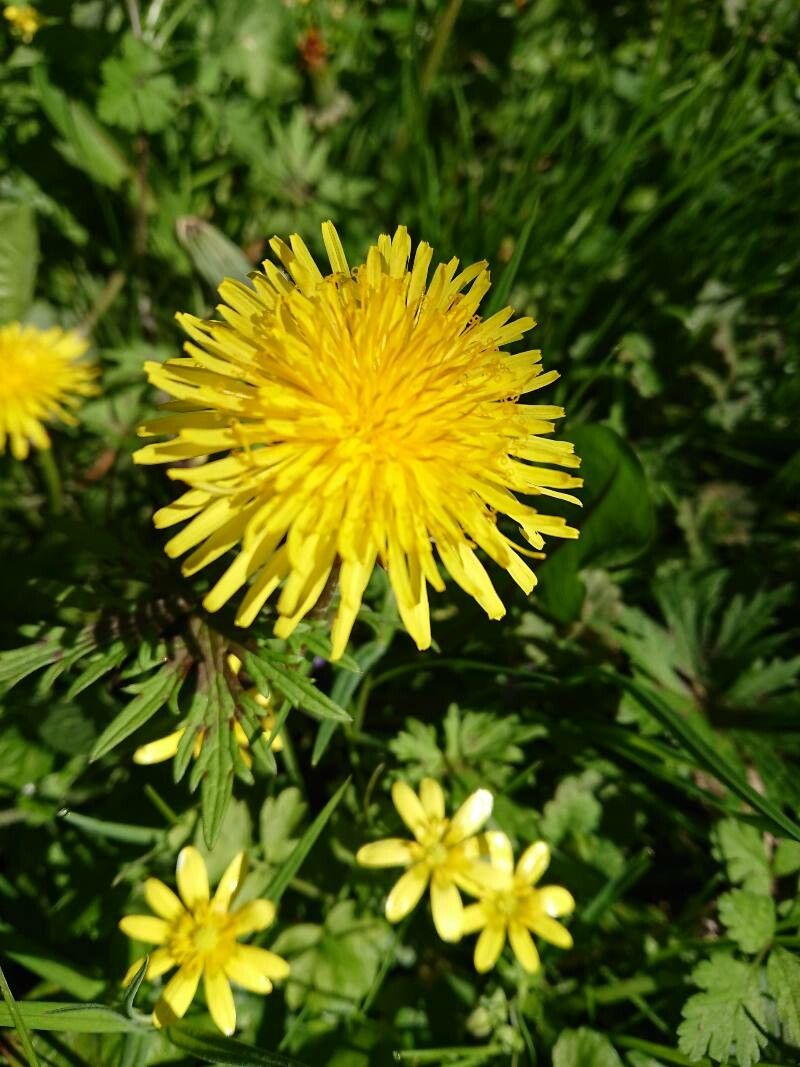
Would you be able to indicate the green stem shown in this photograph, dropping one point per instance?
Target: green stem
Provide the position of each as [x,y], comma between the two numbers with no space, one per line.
[19,1022]
[52,480]
[444,28]
[161,805]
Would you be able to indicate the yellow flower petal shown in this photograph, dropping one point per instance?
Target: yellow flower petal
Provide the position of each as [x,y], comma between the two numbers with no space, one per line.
[230,881]
[178,994]
[159,751]
[161,961]
[523,947]
[489,946]
[409,808]
[406,892]
[470,817]
[220,1000]
[145,928]
[533,862]
[475,918]
[446,907]
[192,878]
[162,900]
[255,915]
[268,402]
[256,968]
[390,852]
[556,901]
[432,798]
[551,930]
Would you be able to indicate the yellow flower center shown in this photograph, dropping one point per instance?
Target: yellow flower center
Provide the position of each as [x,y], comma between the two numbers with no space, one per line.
[205,935]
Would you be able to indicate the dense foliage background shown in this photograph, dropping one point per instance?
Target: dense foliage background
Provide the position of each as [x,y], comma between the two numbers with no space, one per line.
[631,172]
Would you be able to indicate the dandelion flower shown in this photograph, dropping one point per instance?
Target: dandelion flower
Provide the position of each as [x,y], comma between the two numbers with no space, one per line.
[165,748]
[198,933]
[336,421]
[442,854]
[41,380]
[515,908]
[25,20]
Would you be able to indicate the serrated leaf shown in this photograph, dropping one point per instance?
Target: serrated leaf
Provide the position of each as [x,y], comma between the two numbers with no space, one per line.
[741,847]
[584,1048]
[269,672]
[783,976]
[281,879]
[153,695]
[19,258]
[749,918]
[218,754]
[574,809]
[726,1020]
[135,94]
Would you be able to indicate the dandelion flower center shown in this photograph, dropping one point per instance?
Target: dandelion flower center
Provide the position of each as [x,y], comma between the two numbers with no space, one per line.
[367,416]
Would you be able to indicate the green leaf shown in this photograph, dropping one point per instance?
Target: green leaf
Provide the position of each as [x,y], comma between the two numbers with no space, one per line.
[19,256]
[48,965]
[499,295]
[213,255]
[17,663]
[270,672]
[616,523]
[783,976]
[280,817]
[741,847]
[334,965]
[749,917]
[86,144]
[725,1020]
[212,1047]
[135,95]
[584,1048]
[153,694]
[708,756]
[18,1021]
[280,880]
[574,809]
[75,1018]
[787,858]
[218,757]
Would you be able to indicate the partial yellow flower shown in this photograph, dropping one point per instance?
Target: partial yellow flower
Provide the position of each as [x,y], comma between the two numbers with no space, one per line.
[41,378]
[362,416]
[25,20]
[198,933]
[443,854]
[515,908]
[165,748]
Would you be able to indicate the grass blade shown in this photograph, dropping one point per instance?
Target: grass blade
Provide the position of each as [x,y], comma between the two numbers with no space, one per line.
[17,1021]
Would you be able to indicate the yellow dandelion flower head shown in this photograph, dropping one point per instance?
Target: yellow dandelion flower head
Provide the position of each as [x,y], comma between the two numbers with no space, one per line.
[25,20]
[514,907]
[442,854]
[198,934]
[165,748]
[360,416]
[41,380]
